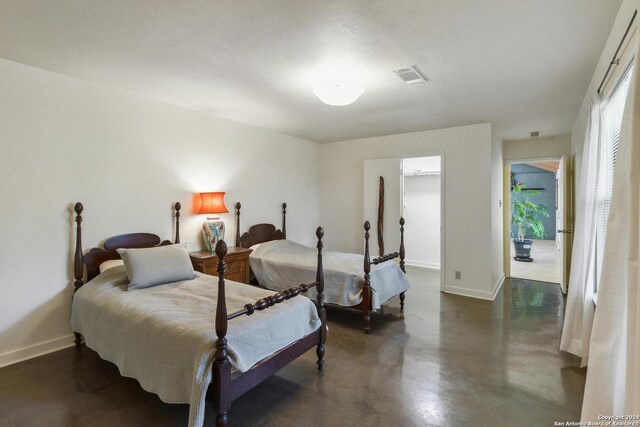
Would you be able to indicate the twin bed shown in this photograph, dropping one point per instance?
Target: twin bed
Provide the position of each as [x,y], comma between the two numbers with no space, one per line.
[353,281]
[186,336]
[187,339]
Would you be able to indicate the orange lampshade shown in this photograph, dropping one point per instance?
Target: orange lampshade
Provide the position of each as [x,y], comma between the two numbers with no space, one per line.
[210,203]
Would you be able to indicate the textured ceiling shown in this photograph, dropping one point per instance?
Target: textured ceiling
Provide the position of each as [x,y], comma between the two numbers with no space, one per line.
[522,65]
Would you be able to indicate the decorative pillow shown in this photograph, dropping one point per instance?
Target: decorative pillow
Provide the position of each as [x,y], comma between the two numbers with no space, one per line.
[148,267]
[110,264]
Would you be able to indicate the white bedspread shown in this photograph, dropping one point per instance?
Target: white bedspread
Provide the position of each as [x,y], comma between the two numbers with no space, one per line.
[164,336]
[283,262]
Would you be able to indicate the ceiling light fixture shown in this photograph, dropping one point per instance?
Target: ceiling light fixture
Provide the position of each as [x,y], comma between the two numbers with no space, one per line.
[338,93]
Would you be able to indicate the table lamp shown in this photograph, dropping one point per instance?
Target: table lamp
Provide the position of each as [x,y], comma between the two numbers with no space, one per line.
[213,227]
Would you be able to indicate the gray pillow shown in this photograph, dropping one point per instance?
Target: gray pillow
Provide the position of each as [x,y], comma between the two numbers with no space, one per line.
[148,267]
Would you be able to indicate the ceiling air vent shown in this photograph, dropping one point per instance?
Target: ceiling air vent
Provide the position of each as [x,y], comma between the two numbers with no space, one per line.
[411,76]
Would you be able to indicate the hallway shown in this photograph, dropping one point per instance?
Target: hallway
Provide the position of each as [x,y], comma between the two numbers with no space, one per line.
[546,265]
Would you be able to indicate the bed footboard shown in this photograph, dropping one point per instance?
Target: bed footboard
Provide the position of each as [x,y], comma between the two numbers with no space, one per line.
[224,389]
[366,290]
[393,255]
[386,257]
[402,254]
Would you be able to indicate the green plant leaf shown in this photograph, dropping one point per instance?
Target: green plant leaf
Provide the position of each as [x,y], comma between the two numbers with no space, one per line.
[526,214]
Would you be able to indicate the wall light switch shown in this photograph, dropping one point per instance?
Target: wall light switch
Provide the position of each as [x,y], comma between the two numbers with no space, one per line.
[458,275]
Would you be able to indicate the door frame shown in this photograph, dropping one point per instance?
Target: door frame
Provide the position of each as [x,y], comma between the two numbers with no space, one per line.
[441,154]
[506,211]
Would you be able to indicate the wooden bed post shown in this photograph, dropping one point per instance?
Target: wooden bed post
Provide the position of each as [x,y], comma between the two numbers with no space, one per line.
[284,220]
[177,206]
[78,269]
[78,265]
[402,245]
[366,290]
[402,267]
[320,299]
[238,206]
[221,380]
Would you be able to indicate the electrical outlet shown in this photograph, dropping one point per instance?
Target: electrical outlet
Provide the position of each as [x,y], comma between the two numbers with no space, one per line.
[458,275]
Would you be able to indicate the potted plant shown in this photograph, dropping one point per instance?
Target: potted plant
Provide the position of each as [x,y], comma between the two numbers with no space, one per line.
[527,216]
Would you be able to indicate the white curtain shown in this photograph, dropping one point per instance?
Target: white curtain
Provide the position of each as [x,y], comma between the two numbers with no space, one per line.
[613,376]
[579,311]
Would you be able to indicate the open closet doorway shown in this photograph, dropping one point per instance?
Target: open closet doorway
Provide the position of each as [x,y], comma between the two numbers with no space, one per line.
[413,189]
[422,208]
[536,220]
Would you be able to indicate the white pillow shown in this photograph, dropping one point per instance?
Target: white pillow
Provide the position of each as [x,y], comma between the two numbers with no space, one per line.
[148,267]
[110,264]
[254,247]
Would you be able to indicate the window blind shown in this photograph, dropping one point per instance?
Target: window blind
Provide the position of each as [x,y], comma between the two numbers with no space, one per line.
[611,120]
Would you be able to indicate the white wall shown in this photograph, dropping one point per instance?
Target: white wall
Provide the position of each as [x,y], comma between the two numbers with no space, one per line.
[422,210]
[537,148]
[421,207]
[127,159]
[497,213]
[390,170]
[416,164]
[467,159]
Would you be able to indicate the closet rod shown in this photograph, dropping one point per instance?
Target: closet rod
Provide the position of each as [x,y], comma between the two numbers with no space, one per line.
[615,60]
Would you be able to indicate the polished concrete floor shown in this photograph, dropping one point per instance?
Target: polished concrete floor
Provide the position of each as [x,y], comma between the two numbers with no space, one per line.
[448,361]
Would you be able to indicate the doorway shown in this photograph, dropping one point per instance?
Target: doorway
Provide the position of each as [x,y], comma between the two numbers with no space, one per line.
[421,206]
[536,217]
[413,189]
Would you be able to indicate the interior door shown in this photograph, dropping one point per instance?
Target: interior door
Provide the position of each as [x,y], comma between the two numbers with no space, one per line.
[391,171]
[506,220]
[564,235]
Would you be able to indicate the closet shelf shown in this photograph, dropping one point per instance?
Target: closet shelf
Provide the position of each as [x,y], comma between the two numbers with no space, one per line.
[422,173]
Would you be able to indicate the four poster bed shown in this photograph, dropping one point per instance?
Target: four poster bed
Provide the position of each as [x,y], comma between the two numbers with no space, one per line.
[352,281]
[162,331]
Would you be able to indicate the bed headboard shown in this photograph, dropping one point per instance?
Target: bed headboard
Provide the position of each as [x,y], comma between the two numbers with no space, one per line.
[97,256]
[260,233]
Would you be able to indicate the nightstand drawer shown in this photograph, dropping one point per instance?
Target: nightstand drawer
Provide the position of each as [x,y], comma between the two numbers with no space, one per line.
[234,267]
[236,263]
[237,276]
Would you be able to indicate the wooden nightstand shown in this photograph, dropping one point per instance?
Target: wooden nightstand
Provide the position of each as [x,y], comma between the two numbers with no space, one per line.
[236,261]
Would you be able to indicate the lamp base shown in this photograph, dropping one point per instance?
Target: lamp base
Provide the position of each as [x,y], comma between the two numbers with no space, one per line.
[212,233]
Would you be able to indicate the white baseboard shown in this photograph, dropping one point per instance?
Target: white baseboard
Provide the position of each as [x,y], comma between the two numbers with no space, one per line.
[36,350]
[497,286]
[474,293]
[424,264]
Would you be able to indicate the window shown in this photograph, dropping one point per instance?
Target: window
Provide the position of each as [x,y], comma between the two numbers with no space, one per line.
[611,113]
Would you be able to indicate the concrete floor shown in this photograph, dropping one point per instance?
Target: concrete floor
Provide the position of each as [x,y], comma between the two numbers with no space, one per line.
[449,361]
